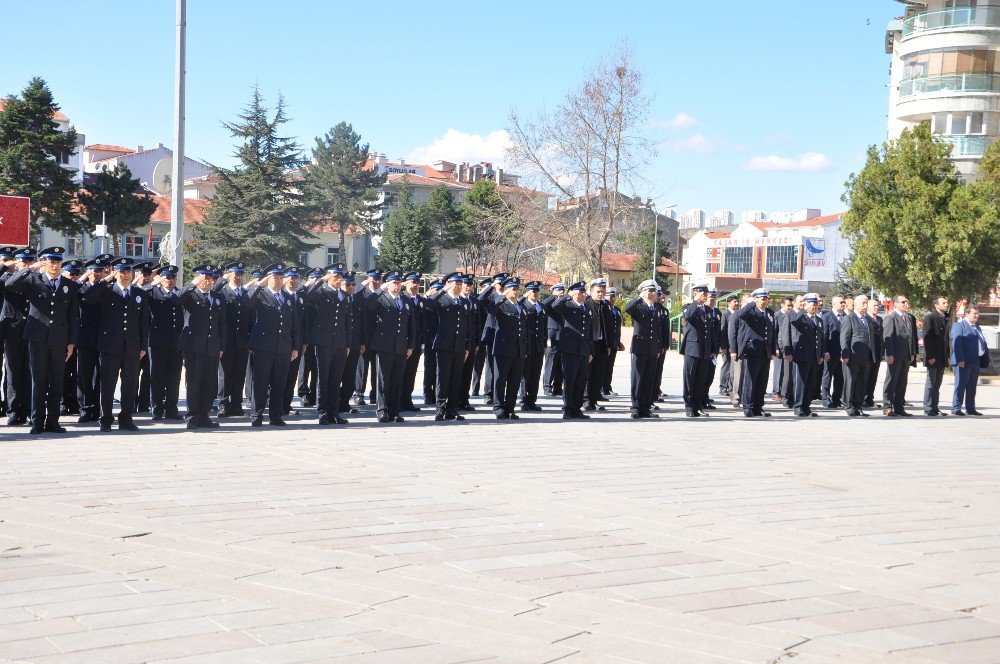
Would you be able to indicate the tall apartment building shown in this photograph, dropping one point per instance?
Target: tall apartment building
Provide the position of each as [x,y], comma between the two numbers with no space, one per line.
[721,218]
[946,71]
[750,216]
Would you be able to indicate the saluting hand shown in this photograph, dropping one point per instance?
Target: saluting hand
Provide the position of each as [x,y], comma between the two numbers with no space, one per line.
[295,354]
[69,352]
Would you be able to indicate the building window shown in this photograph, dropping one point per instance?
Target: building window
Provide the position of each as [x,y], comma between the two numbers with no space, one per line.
[133,246]
[154,245]
[713,260]
[304,259]
[332,255]
[782,260]
[738,260]
[74,245]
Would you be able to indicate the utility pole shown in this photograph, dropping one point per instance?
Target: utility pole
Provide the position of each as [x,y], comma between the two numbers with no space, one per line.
[177,172]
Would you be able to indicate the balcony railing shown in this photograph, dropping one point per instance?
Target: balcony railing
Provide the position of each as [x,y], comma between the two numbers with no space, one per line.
[967,146]
[956,17]
[950,83]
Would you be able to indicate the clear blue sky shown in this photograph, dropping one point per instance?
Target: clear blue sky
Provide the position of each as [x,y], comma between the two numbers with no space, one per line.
[779,99]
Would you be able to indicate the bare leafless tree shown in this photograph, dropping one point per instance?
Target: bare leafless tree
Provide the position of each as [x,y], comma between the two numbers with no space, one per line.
[587,152]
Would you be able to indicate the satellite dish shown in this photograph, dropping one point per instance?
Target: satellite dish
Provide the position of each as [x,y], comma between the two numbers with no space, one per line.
[161,176]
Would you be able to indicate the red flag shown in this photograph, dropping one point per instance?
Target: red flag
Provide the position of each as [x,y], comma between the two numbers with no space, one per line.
[149,239]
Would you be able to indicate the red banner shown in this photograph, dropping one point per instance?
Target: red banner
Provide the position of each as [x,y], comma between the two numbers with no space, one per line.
[14,220]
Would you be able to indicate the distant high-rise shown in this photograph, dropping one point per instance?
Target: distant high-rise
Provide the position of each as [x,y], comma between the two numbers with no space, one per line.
[749,216]
[945,70]
[721,218]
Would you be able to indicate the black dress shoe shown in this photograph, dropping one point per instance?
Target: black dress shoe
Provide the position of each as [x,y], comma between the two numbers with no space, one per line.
[83,419]
[54,428]
[763,413]
[323,421]
[748,413]
[128,426]
[635,416]
[398,419]
[339,420]
[158,417]
[958,413]
[903,413]
[385,420]
[440,417]
[17,421]
[974,412]
[175,417]
[690,412]
[812,414]
[278,423]
[567,416]
[649,416]
[531,407]
[256,422]
[709,407]
[467,407]
[931,413]
[501,416]
[802,414]
[209,424]
[578,415]
[513,416]
[192,424]
[36,430]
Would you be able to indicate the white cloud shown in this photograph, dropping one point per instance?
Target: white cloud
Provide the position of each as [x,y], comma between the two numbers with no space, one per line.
[807,161]
[680,121]
[697,143]
[457,146]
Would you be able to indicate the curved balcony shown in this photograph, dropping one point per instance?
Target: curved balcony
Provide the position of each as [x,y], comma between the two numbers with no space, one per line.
[967,146]
[987,16]
[949,83]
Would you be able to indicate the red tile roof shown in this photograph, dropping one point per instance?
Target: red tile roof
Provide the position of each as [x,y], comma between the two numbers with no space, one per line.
[103,147]
[56,115]
[194,209]
[422,181]
[626,263]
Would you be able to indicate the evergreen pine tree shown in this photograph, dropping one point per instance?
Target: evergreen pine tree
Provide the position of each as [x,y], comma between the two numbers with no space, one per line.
[336,187]
[408,238]
[257,214]
[122,200]
[32,150]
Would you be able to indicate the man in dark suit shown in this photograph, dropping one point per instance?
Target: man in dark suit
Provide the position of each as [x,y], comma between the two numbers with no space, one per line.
[366,363]
[552,377]
[123,340]
[696,346]
[877,351]
[329,333]
[603,322]
[88,375]
[274,342]
[778,372]
[411,291]
[476,329]
[576,346]
[50,331]
[510,347]
[753,341]
[806,347]
[72,270]
[726,371]
[537,337]
[166,323]
[453,343]
[614,343]
[307,367]
[430,323]
[969,355]
[856,354]
[784,330]
[12,323]
[937,349]
[647,345]
[392,340]
[833,372]
[900,336]
[203,341]
[356,342]
[235,356]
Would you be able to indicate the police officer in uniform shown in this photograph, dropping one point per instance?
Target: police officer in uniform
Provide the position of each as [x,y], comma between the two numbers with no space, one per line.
[329,333]
[552,376]
[308,367]
[143,278]
[274,343]
[411,290]
[123,340]
[714,336]
[510,347]
[475,330]
[489,293]
[482,320]
[602,342]
[294,292]
[88,375]
[366,364]
[233,364]
[806,347]
[430,323]
[453,344]
[576,346]
[755,344]
[647,345]
[392,340]
[166,322]
[16,364]
[614,343]
[50,332]
[202,341]
[537,332]
[72,270]
[696,346]
[357,313]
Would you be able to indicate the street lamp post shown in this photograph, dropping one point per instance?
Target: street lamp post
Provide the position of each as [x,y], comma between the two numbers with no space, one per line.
[177,172]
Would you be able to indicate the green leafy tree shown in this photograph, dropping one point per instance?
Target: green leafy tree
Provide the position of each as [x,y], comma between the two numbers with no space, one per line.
[495,233]
[337,188]
[257,214]
[641,242]
[407,239]
[845,284]
[121,199]
[450,231]
[32,150]
[916,228]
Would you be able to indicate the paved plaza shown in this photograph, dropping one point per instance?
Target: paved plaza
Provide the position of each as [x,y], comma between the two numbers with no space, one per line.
[678,540]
